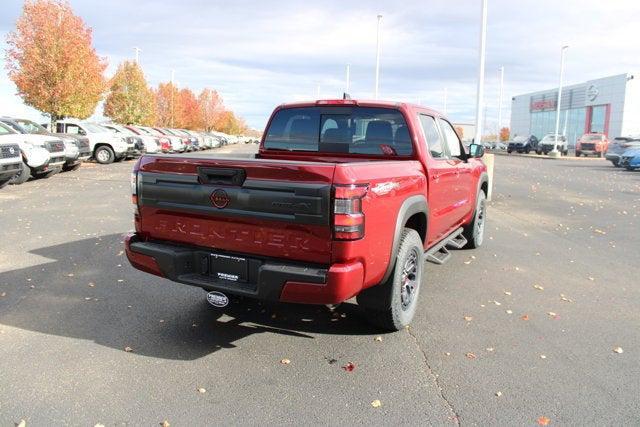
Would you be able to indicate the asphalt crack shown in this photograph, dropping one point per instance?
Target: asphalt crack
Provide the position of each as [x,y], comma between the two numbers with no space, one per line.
[434,377]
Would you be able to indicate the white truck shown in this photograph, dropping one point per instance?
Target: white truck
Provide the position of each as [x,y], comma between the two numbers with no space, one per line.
[106,147]
[10,158]
[145,143]
[42,155]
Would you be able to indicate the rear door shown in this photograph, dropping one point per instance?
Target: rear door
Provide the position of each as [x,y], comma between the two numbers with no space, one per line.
[464,194]
[443,180]
[267,208]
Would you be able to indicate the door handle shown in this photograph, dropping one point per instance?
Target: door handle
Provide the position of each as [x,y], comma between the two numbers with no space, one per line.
[436,177]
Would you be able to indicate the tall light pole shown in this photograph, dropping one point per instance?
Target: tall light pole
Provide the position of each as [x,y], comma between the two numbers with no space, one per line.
[554,152]
[500,99]
[138,50]
[375,92]
[480,93]
[348,85]
[444,108]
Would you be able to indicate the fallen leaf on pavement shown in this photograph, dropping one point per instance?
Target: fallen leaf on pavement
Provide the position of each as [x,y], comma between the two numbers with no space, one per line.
[128,349]
[618,350]
[542,356]
[552,314]
[378,339]
[202,390]
[349,367]
[507,293]
[376,403]
[468,318]
[4,294]
[538,287]
[468,262]
[509,312]
[285,361]
[591,278]
[22,423]
[165,423]
[490,349]
[525,317]
[498,393]
[543,421]
[497,303]
[447,354]
[563,297]
[471,356]
[99,425]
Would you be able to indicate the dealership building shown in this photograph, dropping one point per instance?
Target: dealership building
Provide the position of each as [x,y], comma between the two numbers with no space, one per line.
[609,105]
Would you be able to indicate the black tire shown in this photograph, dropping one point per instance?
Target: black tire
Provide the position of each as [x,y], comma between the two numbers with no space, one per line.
[22,176]
[66,168]
[474,231]
[47,174]
[508,151]
[538,152]
[528,150]
[399,293]
[578,153]
[4,183]
[104,155]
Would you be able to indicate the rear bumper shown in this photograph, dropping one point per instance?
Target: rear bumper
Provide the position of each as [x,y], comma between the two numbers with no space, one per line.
[267,279]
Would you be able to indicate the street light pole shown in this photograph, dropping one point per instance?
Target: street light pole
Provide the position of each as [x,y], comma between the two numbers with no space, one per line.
[445,101]
[375,92]
[554,152]
[138,50]
[500,99]
[480,93]
[348,85]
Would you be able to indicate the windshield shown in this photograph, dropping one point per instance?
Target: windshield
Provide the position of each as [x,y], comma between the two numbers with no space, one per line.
[31,127]
[14,126]
[552,138]
[594,138]
[4,129]
[94,128]
[354,130]
[520,139]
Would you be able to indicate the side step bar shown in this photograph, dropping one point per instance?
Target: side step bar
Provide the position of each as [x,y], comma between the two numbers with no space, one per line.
[439,254]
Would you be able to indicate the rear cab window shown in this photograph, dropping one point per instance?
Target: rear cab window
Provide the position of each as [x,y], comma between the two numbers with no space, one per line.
[352,130]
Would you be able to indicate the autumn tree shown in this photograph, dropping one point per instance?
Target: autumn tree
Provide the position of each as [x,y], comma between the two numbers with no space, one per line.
[130,99]
[166,97]
[504,134]
[188,110]
[211,108]
[229,123]
[52,62]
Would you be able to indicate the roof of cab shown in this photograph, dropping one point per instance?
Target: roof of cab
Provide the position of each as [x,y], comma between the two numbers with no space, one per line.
[358,102]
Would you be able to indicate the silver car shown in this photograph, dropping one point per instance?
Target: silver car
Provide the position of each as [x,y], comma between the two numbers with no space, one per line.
[619,145]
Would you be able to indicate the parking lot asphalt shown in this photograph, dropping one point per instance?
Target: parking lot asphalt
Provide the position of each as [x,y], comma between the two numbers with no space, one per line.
[523,328]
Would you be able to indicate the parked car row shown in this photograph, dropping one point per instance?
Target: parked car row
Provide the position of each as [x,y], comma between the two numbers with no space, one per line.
[28,149]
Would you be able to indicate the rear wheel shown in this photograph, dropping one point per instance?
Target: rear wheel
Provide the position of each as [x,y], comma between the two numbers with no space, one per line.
[71,168]
[104,155]
[22,176]
[47,174]
[399,293]
[578,153]
[474,232]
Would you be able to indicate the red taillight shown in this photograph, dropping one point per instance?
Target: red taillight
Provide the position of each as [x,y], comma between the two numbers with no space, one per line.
[348,218]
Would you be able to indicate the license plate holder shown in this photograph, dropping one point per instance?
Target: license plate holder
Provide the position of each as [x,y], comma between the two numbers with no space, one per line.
[229,268]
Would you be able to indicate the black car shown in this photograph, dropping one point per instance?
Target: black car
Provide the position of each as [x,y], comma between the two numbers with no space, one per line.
[523,144]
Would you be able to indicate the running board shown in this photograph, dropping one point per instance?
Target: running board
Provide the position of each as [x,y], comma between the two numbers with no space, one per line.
[439,254]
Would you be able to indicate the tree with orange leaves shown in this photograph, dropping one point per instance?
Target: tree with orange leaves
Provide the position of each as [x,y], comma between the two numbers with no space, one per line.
[504,134]
[166,97]
[211,108]
[51,60]
[188,110]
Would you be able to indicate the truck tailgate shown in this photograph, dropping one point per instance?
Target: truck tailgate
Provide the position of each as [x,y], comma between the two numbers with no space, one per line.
[267,208]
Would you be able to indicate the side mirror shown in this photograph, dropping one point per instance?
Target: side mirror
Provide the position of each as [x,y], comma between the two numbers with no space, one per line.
[476,151]
[81,131]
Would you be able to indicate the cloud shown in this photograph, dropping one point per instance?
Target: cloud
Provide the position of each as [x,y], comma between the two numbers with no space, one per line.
[259,54]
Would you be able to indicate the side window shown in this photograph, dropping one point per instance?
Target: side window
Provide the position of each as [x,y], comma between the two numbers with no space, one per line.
[73,129]
[432,136]
[453,142]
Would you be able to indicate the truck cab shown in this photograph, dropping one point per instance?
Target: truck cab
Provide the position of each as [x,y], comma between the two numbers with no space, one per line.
[104,145]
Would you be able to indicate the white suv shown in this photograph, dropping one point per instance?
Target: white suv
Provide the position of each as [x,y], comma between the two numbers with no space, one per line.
[546,144]
[106,147]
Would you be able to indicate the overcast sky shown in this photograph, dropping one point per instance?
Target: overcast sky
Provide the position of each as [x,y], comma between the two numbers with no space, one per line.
[258,54]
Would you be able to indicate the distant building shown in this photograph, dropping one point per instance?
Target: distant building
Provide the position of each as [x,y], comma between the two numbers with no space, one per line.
[609,105]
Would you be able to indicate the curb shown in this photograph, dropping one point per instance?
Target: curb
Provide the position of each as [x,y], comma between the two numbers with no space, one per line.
[543,157]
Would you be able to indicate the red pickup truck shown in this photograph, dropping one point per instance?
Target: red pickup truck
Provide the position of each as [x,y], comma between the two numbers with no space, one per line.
[344,199]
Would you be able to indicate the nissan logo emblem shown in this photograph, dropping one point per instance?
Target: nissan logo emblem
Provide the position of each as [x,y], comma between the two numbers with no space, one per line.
[220,199]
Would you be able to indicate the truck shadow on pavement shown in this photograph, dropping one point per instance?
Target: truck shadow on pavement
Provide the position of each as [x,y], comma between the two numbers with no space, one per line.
[87,290]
